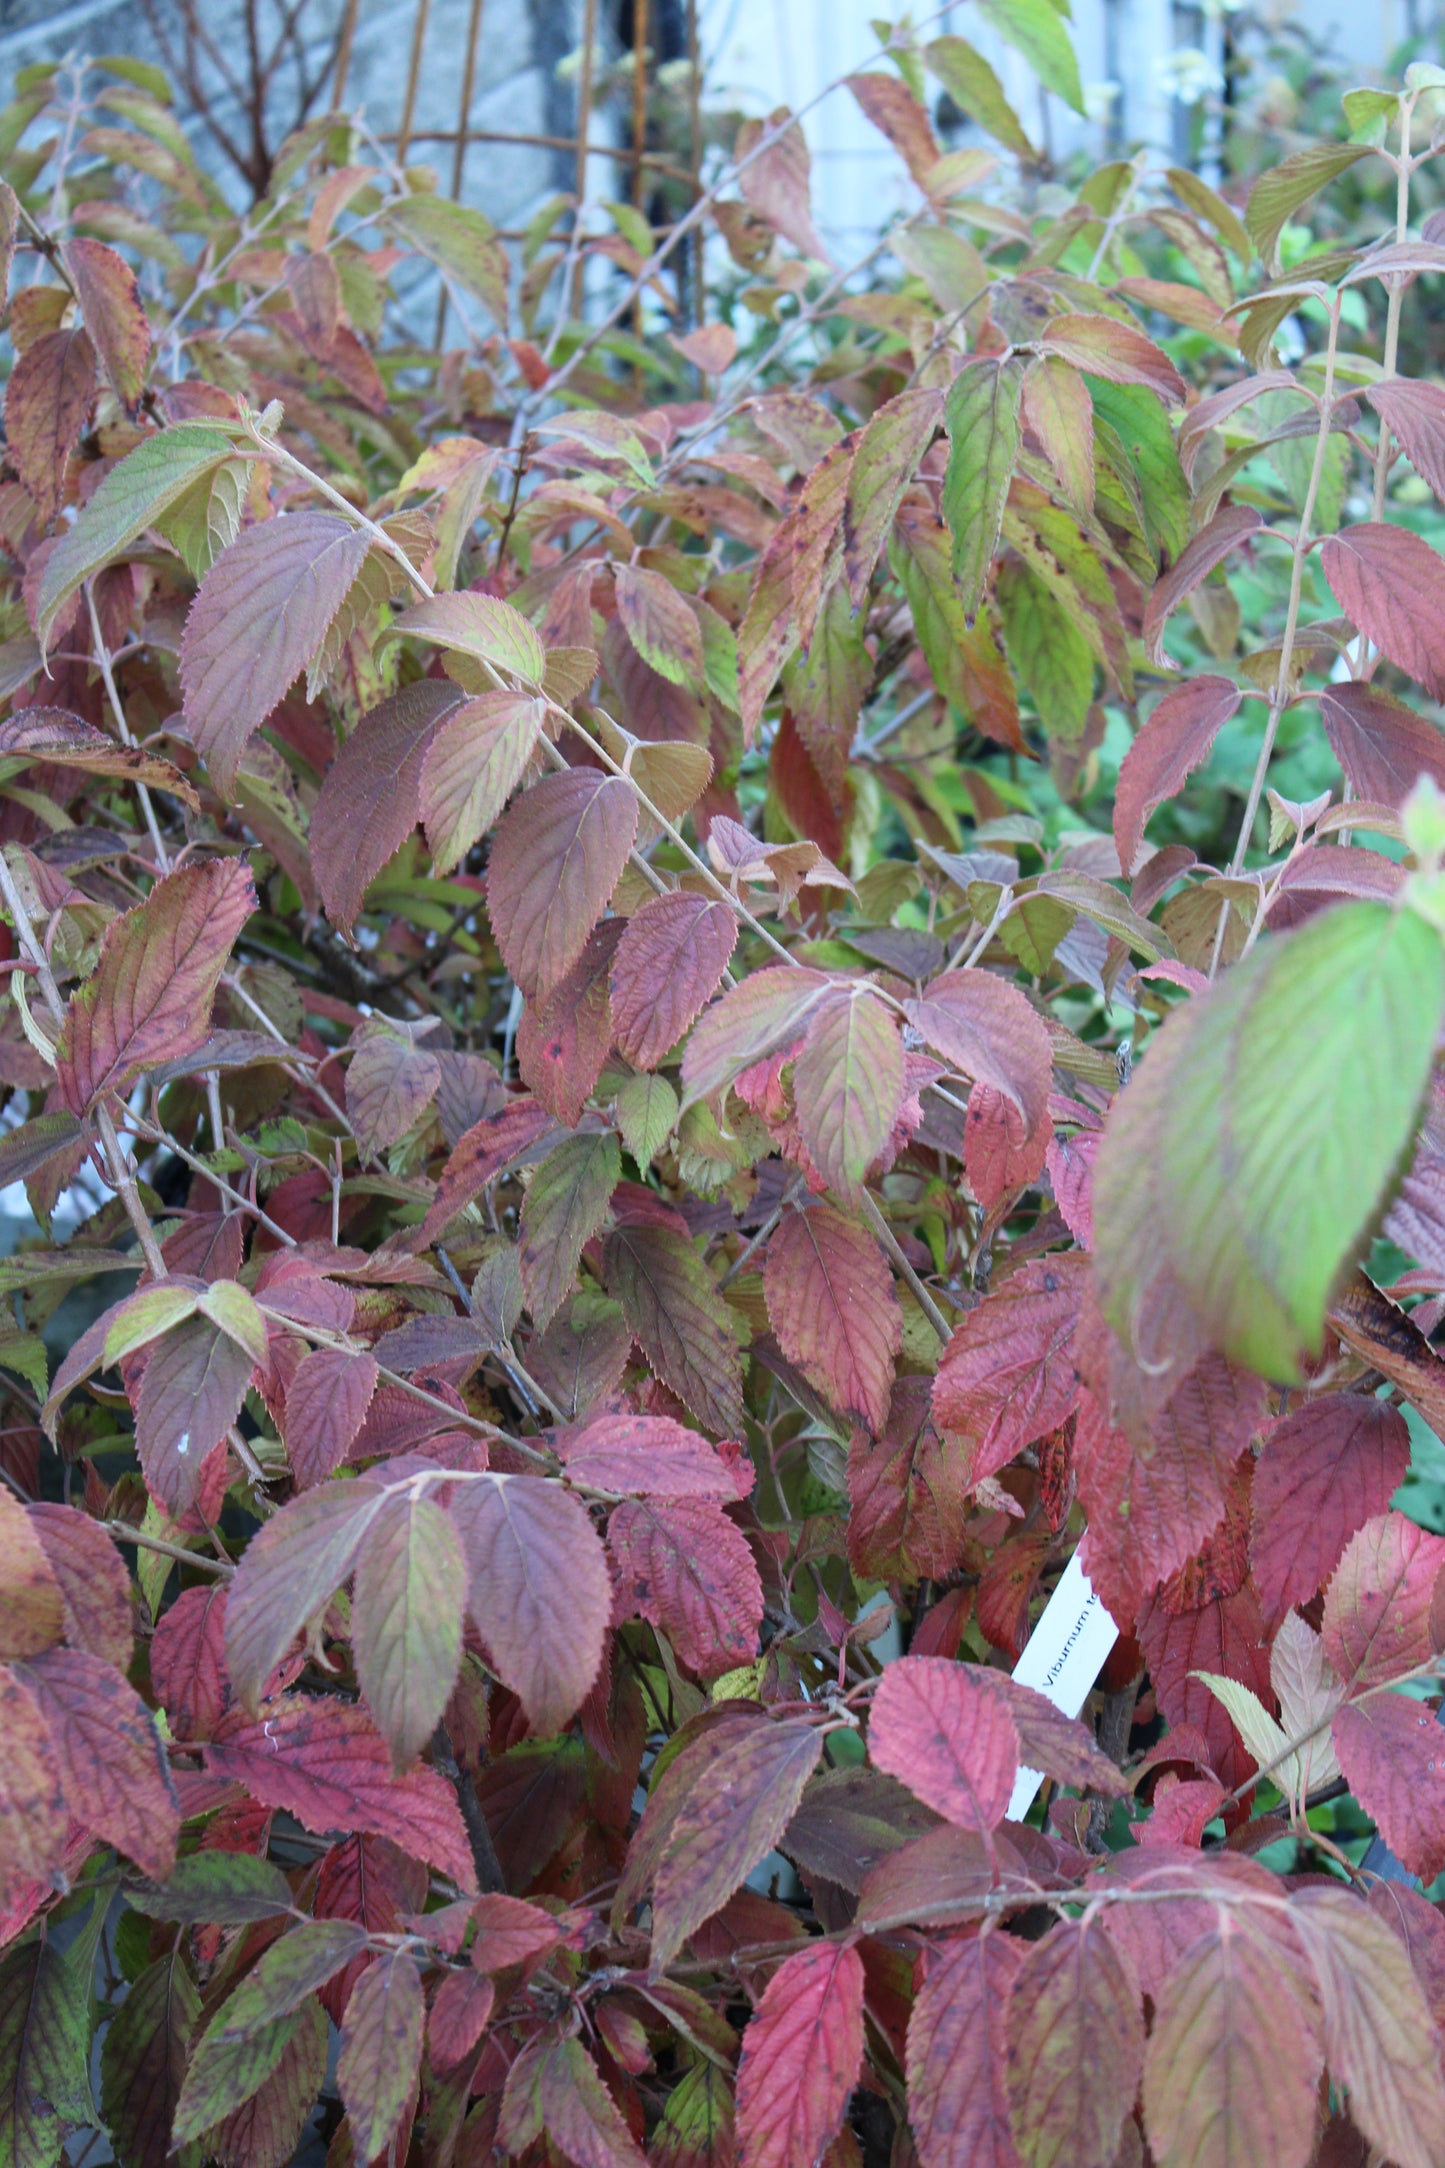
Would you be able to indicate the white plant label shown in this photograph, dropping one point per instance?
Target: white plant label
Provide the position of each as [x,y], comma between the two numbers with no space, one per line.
[1065,1654]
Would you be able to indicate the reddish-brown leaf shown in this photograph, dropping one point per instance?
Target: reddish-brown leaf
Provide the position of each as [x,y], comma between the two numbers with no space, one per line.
[483,1152]
[835,1309]
[775,180]
[1009,1376]
[538,1588]
[33,1817]
[47,405]
[149,997]
[802,2053]
[391,1080]
[895,439]
[1382,745]
[1326,1469]
[1416,413]
[999,1155]
[1377,1608]
[370,799]
[564,1037]
[262,612]
[94,1585]
[1209,548]
[942,1730]
[555,2086]
[460,2009]
[754,1018]
[1076,2047]
[188,1662]
[32,1607]
[1379,2035]
[1234,2059]
[109,1756]
[325,1762]
[556,857]
[1389,1748]
[741,1792]
[53,736]
[650,1456]
[1118,352]
[326,1404]
[143,2060]
[907,1494]
[110,302]
[1151,1503]
[680,1321]
[195,1380]
[958,2106]
[659,623]
[684,1566]
[1172,743]
[896,113]
[1225,1636]
[988,1030]
[1391,584]
[381,2039]
[668,965]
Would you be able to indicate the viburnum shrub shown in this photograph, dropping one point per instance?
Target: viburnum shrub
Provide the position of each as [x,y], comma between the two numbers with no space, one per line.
[634,1145]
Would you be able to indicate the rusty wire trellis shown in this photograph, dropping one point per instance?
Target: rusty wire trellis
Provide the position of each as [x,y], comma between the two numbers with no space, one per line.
[631,153]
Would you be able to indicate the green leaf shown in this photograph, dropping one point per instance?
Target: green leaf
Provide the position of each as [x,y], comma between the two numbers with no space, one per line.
[461,243]
[848,1084]
[1286,188]
[44,2053]
[973,86]
[1146,434]
[219,1889]
[225,2072]
[1240,1172]
[1035,28]
[646,1111]
[132,497]
[562,1210]
[1047,650]
[206,518]
[981,415]
[406,1607]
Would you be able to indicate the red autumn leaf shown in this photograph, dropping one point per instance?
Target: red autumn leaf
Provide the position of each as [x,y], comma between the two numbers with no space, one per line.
[666,968]
[149,997]
[958,2105]
[835,1309]
[740,1796]
[1391,584]
[1326,1469]
[262,612]
[110,302]
[684,1566]
[195,1380]
[326,1403]
[896,113]
[1008,1376]
[999,1157]
[1076,2045]
[1383,746]
[509,1931]
[1172,744]
[491,1145]
[680,1321]
[1225,1636]
[1151,1503]
[802,2053]
[1118,352]
[1390,1749]
[460,2009]
[555,860]
[1233,2064]
[33,1817]
[109,1756]
[1416,413]
[538,1589]
[1059,1745]
[47,405]
[554,2086]
[32,1607]
[391,1080]
[325,1762]
[370,797]
[907,1494]
[188,1661]
[650,1456]
[775,179]
[381,2040]
[375,1883]
[941,1730]
[1228,528]
[754,1019]
[564,1037]
[94,1585]
[988,1030]
[1377,1621]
